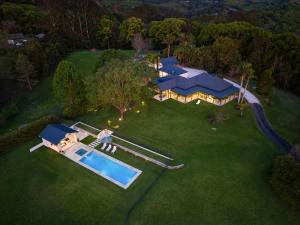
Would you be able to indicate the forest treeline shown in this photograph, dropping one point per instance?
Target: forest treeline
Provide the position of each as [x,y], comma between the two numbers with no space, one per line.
[216,47]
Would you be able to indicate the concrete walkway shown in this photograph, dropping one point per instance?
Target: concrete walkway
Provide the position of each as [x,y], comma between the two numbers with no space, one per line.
[36,147]
[251,98]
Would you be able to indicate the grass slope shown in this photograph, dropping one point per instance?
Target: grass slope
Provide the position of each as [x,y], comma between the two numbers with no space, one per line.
[224,180]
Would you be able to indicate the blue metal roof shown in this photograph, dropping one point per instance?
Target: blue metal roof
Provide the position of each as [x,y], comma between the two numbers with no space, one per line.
[54,133]
[213,82]
[162,79]
[172,70]
[169,61]
[207,83]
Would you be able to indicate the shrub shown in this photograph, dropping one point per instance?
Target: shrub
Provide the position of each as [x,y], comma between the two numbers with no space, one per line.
[7,113]
[218,116]
[24,133]
[285,179]
[108,55]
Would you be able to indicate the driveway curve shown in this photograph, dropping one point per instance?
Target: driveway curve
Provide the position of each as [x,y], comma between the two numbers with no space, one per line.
[262,120]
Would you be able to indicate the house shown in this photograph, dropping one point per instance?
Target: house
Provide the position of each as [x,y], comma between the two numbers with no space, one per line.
[58,137]
[186,84]
[16,40]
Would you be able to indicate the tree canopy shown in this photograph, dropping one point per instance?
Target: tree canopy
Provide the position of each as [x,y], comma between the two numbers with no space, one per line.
[118,84]
[130,27]
[105,31]
[166,31]
[69,89]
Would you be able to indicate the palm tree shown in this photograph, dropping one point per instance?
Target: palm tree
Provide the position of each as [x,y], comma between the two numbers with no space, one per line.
[249,76]
[246,72]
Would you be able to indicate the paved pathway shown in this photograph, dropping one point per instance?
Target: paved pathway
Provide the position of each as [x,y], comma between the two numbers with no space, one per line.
[251,98]
[267,129]
[262,120]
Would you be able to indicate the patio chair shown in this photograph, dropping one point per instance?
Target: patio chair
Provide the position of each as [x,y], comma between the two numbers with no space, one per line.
[109,147]
[103,146]
[114,150]
[198,102]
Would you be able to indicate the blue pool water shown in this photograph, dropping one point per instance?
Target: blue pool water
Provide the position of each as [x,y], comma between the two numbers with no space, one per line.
[81,152]
[108,167]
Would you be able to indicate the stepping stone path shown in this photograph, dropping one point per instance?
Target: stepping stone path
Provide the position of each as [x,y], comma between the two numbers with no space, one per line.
[95,143]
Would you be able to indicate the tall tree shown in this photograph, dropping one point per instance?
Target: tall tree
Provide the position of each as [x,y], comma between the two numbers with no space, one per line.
[226,53]
[265,82]
[130,27]
[105,31]
[247,73]
[35,53]
[69,89]
[118,84]
[185,50]
[138,43]
[25,70]
[166,31]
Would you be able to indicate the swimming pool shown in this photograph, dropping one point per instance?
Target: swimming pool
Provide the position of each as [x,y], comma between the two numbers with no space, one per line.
[81,152]
[110,168]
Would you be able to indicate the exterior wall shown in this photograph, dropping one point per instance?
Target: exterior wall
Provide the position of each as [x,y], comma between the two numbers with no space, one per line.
[162,74]
[198,95]
[72,140]
[50,145]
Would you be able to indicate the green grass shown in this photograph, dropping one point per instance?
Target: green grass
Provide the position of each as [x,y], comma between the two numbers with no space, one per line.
[224,180]
[282,114]
[87,140]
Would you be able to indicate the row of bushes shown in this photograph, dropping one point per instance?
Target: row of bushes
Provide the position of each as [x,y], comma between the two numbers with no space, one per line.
[285,179]
[8,113]
[25,133]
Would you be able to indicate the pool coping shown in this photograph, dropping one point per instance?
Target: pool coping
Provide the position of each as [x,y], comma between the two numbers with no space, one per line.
[89,149]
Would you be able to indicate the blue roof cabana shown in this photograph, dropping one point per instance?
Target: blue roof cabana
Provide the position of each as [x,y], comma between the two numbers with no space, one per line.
[58,136]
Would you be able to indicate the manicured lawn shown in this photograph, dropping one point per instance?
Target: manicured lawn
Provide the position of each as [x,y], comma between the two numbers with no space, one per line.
[281,114]
[89,139]
[224,180]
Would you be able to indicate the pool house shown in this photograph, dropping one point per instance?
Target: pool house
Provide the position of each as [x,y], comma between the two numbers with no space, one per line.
[59,137]
[186,84]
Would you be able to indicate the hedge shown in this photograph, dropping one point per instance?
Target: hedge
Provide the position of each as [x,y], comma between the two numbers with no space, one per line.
[285,179]
[25,133]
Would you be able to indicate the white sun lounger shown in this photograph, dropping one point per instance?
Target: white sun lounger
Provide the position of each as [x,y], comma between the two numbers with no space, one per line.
[103,146]
[109,147]
[114,150]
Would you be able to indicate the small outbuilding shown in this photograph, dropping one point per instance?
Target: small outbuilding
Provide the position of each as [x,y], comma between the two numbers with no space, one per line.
[58,137]
[105,136]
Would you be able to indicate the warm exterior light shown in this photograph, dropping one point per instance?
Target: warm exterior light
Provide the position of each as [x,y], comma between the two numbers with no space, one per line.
[137,111]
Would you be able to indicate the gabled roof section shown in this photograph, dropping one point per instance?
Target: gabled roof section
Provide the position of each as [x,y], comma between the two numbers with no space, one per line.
[172,70]
[169,61]
[213,82]
[204,82]
[54,133]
